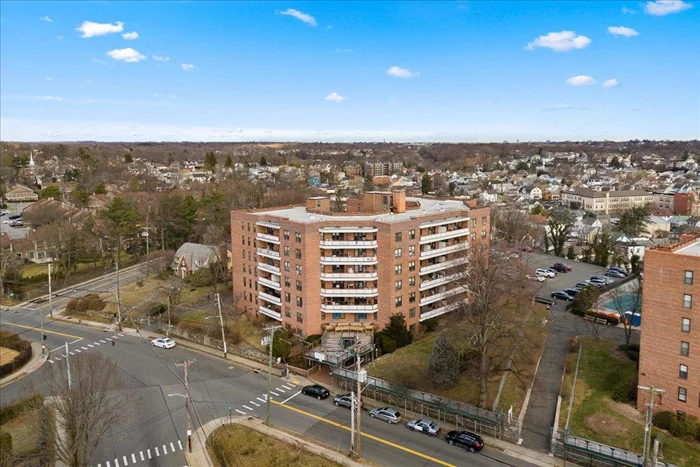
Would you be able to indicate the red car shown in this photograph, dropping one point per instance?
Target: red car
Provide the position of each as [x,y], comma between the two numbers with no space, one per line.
[561,267]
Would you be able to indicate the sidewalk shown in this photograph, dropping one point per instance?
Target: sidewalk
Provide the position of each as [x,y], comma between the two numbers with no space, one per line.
[32,365]
[200,458]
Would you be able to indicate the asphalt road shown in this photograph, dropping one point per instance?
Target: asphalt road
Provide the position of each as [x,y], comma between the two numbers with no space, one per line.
[579,272]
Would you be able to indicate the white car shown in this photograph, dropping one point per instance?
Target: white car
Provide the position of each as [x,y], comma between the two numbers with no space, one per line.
[163,343]
[544,272]
[535,278]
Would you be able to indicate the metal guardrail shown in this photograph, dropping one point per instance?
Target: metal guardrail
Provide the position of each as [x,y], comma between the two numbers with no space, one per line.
[588,452]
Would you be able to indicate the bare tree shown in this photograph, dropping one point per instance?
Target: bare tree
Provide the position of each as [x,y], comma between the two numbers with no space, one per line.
[512,225]
[10,265]
[627,298]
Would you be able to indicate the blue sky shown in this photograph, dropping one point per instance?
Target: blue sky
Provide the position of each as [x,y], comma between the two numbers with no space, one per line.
[349,71]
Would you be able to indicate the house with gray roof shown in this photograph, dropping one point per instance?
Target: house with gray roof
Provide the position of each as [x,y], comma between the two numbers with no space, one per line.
[191,257]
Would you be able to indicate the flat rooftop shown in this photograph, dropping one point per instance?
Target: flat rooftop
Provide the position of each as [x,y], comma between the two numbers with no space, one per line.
[691,250]
[427,206]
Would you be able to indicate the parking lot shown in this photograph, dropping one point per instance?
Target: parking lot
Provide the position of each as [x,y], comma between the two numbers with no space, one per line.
[579,272]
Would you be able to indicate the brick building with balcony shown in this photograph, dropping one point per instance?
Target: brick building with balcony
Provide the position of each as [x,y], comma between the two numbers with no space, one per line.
[309,267]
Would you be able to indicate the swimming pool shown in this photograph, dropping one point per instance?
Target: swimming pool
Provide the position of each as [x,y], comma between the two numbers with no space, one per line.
[627,302]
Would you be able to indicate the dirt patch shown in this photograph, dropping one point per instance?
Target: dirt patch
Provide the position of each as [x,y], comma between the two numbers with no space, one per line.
[620,355]
[627,411]
[7,355]
[604,424]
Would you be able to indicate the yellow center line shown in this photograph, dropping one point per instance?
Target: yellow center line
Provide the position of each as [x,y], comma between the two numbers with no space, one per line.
[38,328]
[372,437]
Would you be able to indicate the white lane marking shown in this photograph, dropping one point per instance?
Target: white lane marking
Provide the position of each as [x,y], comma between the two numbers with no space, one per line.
[108,464]
[84,348]
[261,400]
[120,335]
[291,397]
[141,454]
[157,453]
[165,450]
[90,345]
[125,462]
[104,342]
[292,385]
[97,343]
[148,451]
[240,412]
[287,387]
[116,462]
[280,390]
[77,340]
[71,353]
[274,393]
[79,351]
[115,337]
[179,444]
[133,457]
[50,361]
[247,408]
[255,404]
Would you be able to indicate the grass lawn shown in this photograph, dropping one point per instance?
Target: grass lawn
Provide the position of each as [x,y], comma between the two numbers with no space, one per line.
[249,330]
[245,446]
[7,355]
[25,436]
[597,417]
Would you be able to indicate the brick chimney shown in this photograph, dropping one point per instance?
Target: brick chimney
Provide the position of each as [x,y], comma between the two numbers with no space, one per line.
[399,201]
[320,204]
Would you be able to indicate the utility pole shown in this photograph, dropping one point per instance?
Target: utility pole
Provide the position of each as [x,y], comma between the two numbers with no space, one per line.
[68,367]
[221,320]
[647,424]
[119,303]
[358,404]
[271,330]
[170,299]
[184,365]
[50,294]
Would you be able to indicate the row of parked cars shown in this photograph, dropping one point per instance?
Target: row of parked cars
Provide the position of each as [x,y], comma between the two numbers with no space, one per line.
[466,439]
[595,281]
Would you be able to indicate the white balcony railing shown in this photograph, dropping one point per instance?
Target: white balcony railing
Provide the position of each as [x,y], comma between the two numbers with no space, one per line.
[441,266]
[271,313]
[270,224]
[348,229]
[269,268]
[269,283]
[443,251]
[347,276]
[349,292]
[444,235]
[349,308]
[438,311]
[348,260]
[269,253]
[425,285]
[442,295]
[348,244]
[268,238]
[270,298]
[438,222]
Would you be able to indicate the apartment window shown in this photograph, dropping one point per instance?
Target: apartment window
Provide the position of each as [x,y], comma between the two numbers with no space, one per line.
[287,282]
[687,301]
[297,253]
[286,234]
[412,313]
[411,234]
[398,301]
[412,281]
[298,269]
[412,297]
[483,221]
[683,371]
[337,316]
[256,286]
[248,241]
[473,223]
[297,237]
[243,240]
[286,266]
[398,285]
[287,312]
[411,250]
[689,277]
[483,234]
[685,349]
[361,316]
[682,394]
[249,256]
[300,317]
[398,253]
[243,254]
[245,284]
[398,269]
[244,269]
[300,301]
[248,226]
[299,286]
[685,327]
[473,235]
[397,237]
[242,225]
[286,251]
[287,297]
[412,266]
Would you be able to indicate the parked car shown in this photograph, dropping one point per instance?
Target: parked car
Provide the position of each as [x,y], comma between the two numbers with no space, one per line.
[596,284]
[561,267]
[603,279]
[545,272]
[615,274]
[571,292]
[424,425]
[466,439]
[316,390]
[582,285]
[561,295]
[618,269]
[553,270]
[17,223]
[535,278]
[388,414]
[346,401]
[163,343]
[2,213]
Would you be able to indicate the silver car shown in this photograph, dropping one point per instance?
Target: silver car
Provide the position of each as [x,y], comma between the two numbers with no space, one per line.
[388,414]
[345,401]
[424,425]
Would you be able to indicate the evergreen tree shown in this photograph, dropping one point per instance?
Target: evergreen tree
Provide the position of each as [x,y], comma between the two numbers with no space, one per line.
[443,366]
[426,184]
[263,161]
[210,160]
[128,159]
[229,162]
[51,191]
[397,331]
[122,217]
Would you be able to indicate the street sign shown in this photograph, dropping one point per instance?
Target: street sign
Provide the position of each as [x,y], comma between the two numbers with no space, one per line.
[144,234]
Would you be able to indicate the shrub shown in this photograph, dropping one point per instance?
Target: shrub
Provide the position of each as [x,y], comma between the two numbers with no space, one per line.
[72,304]
[663,419]
[5,446]
[572,344]
[620,392]
[313,338]
[685,426]
[157,309]
[15,410]
[431,324]
[388,344]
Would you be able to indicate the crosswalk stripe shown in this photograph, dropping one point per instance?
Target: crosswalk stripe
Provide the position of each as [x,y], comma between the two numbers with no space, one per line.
[108,464]
[172,446]
[157,453]
[104,342]
[261,400]
[90,345]
[71,353]
[133,457]
[179,444]
[79,351]
[247,408]
[116,462]
[121,335]
[84,348]
[280,390]
[99,465]
[125,462]
[115,337]
[148,451]
[97,343]
[256,405]
[292,385]
[50,361]
[274,393]
[141,454]
[165,450]
[287,386]
[240,412]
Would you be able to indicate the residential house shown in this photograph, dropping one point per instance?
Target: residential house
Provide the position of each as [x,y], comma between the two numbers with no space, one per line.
[531,192]
[97,203]
[191,257]
[20,193]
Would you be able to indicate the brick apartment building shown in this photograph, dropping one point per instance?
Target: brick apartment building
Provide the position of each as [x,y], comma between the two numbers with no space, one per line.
[605,202]
[308,267]
[670,334]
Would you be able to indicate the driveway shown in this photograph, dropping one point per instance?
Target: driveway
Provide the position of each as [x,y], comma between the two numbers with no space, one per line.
[579,272]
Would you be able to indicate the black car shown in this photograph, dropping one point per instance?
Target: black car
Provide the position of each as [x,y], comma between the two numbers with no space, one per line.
[315,390]
[571,292]
[561,295]
[466,439]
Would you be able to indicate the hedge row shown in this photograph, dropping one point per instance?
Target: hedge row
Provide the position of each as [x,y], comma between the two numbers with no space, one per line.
[12,341]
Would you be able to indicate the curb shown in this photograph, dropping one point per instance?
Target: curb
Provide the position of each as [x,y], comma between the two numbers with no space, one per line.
[32,365]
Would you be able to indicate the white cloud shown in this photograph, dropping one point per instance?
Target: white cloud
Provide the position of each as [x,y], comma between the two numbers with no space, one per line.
[158,58]
[581,80]
[48,78]
[90,29]
[60,38]
[187,66]
[665,7]
[130,36]
[622,31]
[127,55]
[611,83]
[308,19]
[400,72]
[560,41]
[335,97]
[46,19]
[628,11]
[49,98]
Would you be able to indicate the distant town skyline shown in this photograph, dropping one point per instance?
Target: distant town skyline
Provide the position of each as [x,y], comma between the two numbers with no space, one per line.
[466,71]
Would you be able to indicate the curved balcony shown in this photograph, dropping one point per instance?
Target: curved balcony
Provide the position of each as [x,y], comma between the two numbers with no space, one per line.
[349,292]
[348,244]
[269,268]
[271,313]
[269,283]
[268,238]
[443,235]
[348,229]
[269,224]
[330,260]
[269,253]
[349,308]
[443,251]
[348,276]
[425,285]
[442,295]
[438,311]
[270,298]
